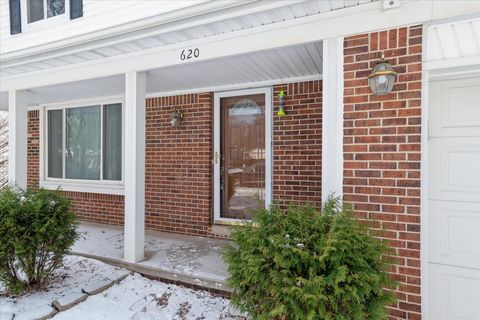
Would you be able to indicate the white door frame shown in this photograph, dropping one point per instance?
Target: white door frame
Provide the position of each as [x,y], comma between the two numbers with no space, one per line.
[216,148]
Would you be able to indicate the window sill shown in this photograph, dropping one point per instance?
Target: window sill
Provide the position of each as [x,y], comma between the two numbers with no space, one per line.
[88,187]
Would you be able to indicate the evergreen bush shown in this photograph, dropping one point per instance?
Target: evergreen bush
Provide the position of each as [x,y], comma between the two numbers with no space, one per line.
[302,264]
[37,229]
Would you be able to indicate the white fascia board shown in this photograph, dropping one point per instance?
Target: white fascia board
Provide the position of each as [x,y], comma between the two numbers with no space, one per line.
[209,12]
[452,63]
[338,23]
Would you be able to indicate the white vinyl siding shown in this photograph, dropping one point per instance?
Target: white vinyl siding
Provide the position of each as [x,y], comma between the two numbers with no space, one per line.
[97,15]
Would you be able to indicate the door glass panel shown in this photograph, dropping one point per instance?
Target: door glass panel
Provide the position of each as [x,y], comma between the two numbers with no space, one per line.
[242,146]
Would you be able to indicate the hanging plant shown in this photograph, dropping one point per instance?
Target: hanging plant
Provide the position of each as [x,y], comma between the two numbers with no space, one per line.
[281,100]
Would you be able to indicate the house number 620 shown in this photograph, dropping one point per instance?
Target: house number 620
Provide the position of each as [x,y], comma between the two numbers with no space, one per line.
[189,54]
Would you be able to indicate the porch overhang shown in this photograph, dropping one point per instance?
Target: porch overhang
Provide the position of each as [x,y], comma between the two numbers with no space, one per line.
[268,67]
[232,33]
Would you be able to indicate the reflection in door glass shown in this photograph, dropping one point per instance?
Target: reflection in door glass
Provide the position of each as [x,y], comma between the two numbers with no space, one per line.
[243,155]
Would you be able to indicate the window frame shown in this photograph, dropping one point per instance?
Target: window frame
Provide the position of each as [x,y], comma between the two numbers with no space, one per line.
[79,185]
[45,23]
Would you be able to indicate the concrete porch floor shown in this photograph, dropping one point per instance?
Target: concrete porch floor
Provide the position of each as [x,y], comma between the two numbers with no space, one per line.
[190,260]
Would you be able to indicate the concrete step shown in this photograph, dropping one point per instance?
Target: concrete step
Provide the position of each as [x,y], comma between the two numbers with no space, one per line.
[219,288]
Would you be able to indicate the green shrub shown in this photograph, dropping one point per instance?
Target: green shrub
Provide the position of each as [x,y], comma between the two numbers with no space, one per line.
[37,229]
[302,264]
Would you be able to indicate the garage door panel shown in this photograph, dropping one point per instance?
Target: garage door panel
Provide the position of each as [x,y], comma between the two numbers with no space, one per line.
[454,169]
[456,109]
[454,293]
[454,233]
[453,221]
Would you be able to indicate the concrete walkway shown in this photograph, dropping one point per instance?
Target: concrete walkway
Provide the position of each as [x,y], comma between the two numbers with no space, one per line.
[194,261]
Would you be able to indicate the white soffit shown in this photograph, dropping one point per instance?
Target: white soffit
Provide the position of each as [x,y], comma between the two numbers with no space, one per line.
[278,65]
[456,40]
[284,13]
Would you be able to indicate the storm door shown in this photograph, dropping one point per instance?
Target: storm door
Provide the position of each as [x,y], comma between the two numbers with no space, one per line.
[242,155]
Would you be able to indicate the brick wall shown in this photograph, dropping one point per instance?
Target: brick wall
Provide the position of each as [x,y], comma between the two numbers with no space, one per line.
[297,149]
[382,151]
[179,170]
[178,183]
[33,148]
[95,207]
[101,208]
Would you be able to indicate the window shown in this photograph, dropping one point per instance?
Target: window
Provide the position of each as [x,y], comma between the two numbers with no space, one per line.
[44,9]
[28,15]
[85,143]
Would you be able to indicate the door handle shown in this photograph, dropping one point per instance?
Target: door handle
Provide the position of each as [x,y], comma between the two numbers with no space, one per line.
[217,156]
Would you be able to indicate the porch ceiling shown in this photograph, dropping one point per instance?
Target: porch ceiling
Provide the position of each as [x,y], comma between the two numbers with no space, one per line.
[279,65]
[282,64]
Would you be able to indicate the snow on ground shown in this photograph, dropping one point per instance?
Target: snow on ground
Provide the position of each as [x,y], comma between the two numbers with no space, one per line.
[134,298]
[138,298]
[193,256]
[75,273]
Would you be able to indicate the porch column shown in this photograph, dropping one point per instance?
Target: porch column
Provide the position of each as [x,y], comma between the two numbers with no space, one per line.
[17,138]
[332,121]
[135,86]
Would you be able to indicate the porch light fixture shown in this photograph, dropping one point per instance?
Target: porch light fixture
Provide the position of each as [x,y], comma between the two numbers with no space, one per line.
[382,78]
[175,118]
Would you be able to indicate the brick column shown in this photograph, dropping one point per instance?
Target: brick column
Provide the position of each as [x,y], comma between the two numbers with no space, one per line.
[382,151]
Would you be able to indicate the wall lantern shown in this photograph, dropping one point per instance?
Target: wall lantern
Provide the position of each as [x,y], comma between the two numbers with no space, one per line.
[175,118]
[382,78]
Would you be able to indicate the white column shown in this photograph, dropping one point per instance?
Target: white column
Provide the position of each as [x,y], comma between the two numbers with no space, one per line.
[332,113]
[134,166]
[17,138]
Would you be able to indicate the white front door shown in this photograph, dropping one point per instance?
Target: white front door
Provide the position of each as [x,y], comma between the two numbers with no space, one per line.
[242,153]
[454,200]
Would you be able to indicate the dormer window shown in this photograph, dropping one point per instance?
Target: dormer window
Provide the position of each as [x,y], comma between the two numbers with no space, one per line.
[44,9]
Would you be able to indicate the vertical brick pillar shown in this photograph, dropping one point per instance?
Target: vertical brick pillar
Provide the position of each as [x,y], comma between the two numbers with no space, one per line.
[382,151]
[33,149]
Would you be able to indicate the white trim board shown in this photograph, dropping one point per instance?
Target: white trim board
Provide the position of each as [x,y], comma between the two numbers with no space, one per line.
[239,86]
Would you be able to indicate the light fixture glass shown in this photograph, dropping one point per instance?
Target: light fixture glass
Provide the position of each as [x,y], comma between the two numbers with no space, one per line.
[382,78]
[175,118]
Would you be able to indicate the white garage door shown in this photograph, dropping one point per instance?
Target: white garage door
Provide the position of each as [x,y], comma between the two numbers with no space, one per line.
[454,200]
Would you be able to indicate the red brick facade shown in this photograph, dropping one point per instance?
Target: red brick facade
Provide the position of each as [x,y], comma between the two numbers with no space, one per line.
[381,156]
[33,148]
[178,182]
[178,178]
[382,151]
[297,145]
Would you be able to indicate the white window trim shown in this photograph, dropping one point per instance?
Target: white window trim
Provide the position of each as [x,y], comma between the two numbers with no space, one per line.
[268,91]
[78,185]
[45,23]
